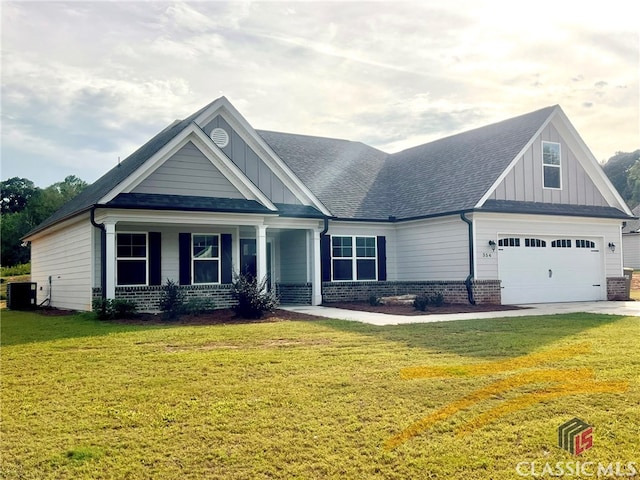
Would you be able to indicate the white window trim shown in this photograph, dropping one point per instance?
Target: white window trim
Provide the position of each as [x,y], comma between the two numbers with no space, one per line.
[559,166]
[125,259]
[218,258]
[354,258]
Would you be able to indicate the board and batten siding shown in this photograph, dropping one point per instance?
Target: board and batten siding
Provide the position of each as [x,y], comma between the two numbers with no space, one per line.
[252,165]
[631,250]
[494,226]
[188,172]
[65,255]
[525,180]
[433,249]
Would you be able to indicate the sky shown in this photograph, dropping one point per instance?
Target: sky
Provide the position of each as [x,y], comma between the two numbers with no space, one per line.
[86,83]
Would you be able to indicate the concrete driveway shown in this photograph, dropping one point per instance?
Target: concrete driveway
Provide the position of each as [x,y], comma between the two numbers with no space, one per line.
[611,308]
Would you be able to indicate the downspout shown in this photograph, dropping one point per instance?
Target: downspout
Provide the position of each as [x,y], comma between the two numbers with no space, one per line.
[467,282]
[324,231]
[103,253]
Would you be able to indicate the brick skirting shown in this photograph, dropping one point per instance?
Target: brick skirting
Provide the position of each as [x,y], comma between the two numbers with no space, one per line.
[617,288]
[147,299]
[484,291]
[294,293]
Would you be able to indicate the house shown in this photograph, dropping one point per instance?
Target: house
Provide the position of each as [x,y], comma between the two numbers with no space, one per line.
[514,212]
[631,242]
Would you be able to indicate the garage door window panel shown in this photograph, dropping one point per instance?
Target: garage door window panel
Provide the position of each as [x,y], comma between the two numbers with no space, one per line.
[561,243]
[534,243]
[509,242]
[580,243]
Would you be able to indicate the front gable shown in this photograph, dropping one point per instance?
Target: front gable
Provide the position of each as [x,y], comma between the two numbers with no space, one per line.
[581,179]
[218,154]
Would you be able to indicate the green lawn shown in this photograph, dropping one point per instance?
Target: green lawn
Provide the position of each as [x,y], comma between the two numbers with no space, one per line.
[307,400]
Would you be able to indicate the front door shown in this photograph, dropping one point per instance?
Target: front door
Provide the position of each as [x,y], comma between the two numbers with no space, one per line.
[248,259]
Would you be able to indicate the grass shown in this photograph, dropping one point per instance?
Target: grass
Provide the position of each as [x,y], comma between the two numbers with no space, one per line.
[89,399]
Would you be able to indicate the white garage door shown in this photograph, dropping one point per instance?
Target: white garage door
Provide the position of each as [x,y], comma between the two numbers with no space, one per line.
[545,269]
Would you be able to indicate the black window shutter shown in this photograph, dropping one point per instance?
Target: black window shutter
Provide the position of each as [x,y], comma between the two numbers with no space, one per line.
[155,258]
[227,258]
[382,258]
[184,253]
[325,257]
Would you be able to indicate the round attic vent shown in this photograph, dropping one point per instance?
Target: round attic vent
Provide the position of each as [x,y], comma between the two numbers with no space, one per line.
[220,137]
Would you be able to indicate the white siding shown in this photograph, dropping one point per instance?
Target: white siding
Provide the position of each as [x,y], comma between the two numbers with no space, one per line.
[188,172]
[492,226]
[65,255]
[631,250]
[525,181]
[434,249]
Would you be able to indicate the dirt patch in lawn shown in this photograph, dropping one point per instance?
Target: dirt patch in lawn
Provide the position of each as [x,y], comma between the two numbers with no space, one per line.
[431,309]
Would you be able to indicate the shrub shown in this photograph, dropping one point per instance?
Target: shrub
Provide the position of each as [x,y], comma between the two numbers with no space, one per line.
[421,302]
[198,306]
[109,309]
[437,300]
[374,301]
[171,300]
[23,269]
[252,296]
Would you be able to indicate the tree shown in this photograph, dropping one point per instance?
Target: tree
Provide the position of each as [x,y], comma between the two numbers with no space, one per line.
[617,169]
[633,184]
[24,206]
[16,193]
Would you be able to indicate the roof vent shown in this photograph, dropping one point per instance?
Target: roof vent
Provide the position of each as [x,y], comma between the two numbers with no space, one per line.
[220,137]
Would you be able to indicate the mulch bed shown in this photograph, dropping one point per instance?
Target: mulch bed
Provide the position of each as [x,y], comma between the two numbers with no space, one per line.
[225,316]
[431,310]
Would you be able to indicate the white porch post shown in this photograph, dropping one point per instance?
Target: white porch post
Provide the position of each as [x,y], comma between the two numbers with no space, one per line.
[261,252]
[316,277]
[110,260]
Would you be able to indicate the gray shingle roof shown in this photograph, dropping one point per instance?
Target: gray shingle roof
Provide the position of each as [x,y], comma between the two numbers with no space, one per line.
[356,181]
[344,175]
[537,208]
[188,203]
[633,226]
[452,174]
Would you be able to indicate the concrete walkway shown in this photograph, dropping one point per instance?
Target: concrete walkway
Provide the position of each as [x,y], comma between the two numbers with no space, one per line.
[611,308]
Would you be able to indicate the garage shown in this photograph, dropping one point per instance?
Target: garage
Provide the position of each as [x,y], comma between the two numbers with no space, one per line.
[550,269]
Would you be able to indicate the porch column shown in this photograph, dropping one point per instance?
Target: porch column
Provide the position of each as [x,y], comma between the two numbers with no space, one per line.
[110,260]
[261,252]
[316,276]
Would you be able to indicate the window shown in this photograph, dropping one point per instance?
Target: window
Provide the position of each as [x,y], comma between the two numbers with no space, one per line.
[564,243]
[551,164]
[585,244]
[509,242]
[206,258]
[354,264]
[534,242]
[131,258]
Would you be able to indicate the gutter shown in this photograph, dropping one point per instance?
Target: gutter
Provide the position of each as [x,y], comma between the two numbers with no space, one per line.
[103,252]
[467,282]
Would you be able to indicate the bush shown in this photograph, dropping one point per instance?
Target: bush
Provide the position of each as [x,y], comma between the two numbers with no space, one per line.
[24,269]
[110,309]
[421,302]
[252,296]
[198,306]
[171,300]
[374,301]
[437,300]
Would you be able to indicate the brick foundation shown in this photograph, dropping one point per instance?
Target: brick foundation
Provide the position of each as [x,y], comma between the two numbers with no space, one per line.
[147,299]
[294,294]
[617,288]
[484,291]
